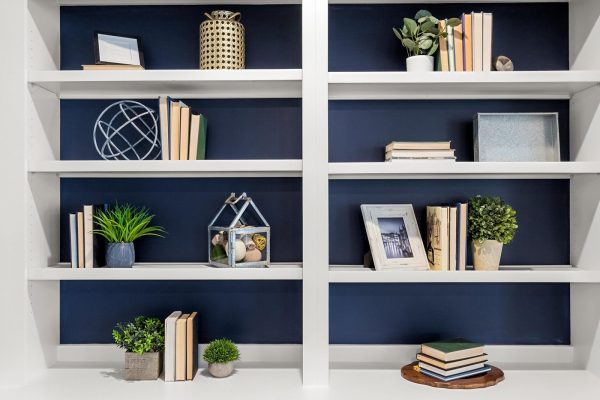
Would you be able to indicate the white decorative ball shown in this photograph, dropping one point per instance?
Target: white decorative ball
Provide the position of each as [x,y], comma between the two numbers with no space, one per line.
[240,250]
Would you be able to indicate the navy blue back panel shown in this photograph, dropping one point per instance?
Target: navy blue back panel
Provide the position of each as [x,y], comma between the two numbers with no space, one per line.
[513,313]
[542,211]
[359,130]
[185,207]
[244,311]
[170,34]
[361,37]
[237,129]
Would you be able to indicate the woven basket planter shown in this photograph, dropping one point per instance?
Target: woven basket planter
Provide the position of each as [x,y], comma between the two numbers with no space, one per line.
[222,43]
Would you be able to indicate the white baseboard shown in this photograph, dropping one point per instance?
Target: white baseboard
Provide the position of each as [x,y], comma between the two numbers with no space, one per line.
[341,356]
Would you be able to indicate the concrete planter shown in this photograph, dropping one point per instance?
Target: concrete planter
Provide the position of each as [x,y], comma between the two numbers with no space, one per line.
[220,370]
[143,367]
[419,64]
[486,255]
[120,255]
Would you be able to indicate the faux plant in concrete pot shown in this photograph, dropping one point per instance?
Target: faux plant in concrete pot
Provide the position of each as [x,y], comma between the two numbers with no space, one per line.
[120,226]
[220,355]
[144,341]
[492,224]
[420,36]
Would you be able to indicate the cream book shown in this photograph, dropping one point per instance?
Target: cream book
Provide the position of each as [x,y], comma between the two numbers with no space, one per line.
[487,41]
[111,67]
[88,236]
[169,361]
[180,347]
[194,135]
[477,41]
[462,256]
[443,54]
[437,238]
[164,105]
[458,48]
[467,42]
[175,129]
[419,154]
[184,142]
[417,146]
[80,241]
[192,346]
[451,364]
[452,241]
[450,32]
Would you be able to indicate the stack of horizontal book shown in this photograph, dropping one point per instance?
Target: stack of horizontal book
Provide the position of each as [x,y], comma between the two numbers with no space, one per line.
[447,237]
[448,360]
[181,346]
[182,132]
[398,151]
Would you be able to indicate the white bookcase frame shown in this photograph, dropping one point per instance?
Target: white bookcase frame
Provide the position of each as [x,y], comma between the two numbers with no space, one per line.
[37,366]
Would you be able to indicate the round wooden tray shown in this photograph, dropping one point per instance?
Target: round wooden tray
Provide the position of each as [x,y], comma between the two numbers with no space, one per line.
[491,378]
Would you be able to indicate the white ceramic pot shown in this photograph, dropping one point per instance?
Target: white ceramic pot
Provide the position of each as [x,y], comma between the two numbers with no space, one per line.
[220,370]
[419,64]
[486,255]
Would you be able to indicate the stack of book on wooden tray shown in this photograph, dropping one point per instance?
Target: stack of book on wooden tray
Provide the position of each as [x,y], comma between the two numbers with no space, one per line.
[448,360]
[181,346]
[398,151]
[447,237]
[468,46]
[182,131]
[86,249]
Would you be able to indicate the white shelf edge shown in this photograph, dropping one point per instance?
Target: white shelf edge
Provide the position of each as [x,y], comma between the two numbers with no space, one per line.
[167,271]
[444,169]
[158,168]
[173,2]
[526,273]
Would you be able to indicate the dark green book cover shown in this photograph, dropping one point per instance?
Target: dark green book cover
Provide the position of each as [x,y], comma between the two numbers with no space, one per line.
[201,155]
[452,345]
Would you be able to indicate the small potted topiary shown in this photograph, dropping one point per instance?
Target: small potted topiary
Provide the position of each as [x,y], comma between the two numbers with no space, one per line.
[492,224]
[120,226]
[144,340]
[220,355]
[420,36]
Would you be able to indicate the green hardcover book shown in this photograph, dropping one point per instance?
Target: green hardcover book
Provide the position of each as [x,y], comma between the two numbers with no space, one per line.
[202,138]
[452,349]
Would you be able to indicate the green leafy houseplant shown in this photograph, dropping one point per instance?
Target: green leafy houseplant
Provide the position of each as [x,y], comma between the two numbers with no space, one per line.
[125,223]
[221,351]
[142,335]
[420,36]
[490,218]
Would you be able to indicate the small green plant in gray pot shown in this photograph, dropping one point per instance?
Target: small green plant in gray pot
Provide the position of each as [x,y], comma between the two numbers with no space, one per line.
[220,355]
[143,338]
[492,224]
[121,225]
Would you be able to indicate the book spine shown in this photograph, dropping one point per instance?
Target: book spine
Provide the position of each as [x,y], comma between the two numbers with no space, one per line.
[202,138]
[451,61]
[73,239]
[443,48]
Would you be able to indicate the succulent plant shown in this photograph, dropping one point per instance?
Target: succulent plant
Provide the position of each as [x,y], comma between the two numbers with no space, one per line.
[420,36]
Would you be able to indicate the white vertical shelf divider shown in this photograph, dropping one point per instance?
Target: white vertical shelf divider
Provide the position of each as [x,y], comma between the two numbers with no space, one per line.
[315,189]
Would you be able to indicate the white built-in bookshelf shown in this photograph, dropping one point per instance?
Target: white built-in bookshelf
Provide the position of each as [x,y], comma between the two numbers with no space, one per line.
[32,168]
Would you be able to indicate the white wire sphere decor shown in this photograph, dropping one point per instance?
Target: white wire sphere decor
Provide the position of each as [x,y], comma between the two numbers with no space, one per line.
[127,130]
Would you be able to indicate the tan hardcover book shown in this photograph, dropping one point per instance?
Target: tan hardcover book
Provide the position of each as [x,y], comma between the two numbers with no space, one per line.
[80,241]
[437,238]
[184,142]
[451,364]
[163,110]
[417,146]
[487,41]
[111,67]
[452,239]
[192,346]
[477,42]
[467,42]
[180,347]
[88,236]
[462,258]
[444,48]
[175,129]
[194,134]
[458,49]
[420,153]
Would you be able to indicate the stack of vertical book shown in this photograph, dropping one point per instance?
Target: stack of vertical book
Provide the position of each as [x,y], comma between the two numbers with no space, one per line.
[468,46]
[447,237]
[448,360]
[182,132]
[398,151]
[181,346]
[87,249]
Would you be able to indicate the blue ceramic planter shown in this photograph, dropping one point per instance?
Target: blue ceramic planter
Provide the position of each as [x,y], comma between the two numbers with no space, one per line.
[120,255]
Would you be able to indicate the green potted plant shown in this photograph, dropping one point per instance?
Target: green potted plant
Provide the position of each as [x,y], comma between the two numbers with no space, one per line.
[120,226]
[144,341]
[220,355]
[492,224]
[420,36]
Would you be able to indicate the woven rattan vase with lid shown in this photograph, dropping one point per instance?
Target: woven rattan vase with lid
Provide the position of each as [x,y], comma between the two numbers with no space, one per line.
[222,41]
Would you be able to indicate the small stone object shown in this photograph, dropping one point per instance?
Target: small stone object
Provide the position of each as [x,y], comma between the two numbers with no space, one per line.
[503,63]
[260,241]
[240,250]
[253,255]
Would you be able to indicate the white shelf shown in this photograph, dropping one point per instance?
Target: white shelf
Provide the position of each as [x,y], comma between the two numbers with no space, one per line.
[541,273]
[286,383]
[205,168]
[460,85]
[171,2]
[167,271]
[423,169]
[213,84]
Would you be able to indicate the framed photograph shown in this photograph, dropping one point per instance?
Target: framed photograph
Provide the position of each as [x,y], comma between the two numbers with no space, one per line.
[118,49]
[394,237]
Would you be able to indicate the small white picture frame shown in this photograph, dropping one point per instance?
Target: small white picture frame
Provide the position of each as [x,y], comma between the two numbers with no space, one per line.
[394,237]
[117,49]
